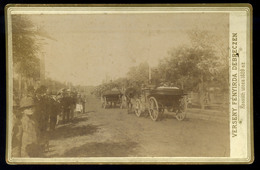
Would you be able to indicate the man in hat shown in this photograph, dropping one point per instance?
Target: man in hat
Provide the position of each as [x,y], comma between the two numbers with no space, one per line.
[30,91]
[66,106]
[54,106]
[29,137]
[58,100]
[130,93]
[83,103]
[72,101]
[42,115]
[17,130]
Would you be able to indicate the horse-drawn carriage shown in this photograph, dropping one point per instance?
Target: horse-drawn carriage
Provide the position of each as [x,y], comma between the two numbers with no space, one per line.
[156,100]
[111,98]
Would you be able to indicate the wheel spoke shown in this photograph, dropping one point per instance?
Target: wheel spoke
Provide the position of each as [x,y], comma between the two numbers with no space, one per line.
[181,112]
[153,109]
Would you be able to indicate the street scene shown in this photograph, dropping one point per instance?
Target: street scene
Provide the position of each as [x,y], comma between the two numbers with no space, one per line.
[115,133]
[119,85]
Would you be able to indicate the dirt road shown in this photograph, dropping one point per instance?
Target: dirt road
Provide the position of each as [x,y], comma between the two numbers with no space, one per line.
[114,133]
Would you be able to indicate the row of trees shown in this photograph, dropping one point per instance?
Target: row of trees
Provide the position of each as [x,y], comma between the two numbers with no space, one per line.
[27,40]
[195,67]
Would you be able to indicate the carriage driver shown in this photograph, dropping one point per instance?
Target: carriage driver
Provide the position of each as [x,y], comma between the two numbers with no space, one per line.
[130,94]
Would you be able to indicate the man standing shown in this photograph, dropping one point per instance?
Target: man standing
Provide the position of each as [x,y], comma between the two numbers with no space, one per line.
[54,111]
[17,131]
[73,101]
[65,105]
[130,93]
[29,138]
[79,103]
[83,103]
[43,115]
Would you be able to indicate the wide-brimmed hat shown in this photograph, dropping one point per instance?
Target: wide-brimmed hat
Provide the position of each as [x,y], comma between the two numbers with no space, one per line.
[30,89]
[26,102]
[41,90]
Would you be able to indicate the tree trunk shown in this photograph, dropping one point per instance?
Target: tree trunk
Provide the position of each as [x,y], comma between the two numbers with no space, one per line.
[25,86]
[202,93]
[20,86]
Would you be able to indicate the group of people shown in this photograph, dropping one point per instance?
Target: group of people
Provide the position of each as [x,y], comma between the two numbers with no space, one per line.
[35,117]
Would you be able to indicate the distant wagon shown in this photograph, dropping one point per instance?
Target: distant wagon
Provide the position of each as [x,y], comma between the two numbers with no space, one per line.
[156,100]
[111,98]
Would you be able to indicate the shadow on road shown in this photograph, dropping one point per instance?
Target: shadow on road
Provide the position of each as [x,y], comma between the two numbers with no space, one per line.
[105,149]
[168,116]
[79,119]
[91,111]
[71,130]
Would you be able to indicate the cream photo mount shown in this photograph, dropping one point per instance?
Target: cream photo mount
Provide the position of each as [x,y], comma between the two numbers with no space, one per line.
[235,31]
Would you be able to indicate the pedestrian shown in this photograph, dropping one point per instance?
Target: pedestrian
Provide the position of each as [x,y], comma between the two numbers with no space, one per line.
[43,114]
[54,111]
[60,114]
[73,101]
[123,102]
[79,107]
[65,105]
[17,131]
[130,93]
[84,103]
[30,92]
[29,135]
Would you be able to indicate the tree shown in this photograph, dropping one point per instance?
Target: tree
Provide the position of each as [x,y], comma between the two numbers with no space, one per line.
[26,49]
[195,67]
[121,84]
[136,76]
[218,45]
[139,75]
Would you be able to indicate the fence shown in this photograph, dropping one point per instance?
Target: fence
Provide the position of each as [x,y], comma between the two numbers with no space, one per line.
[212,100]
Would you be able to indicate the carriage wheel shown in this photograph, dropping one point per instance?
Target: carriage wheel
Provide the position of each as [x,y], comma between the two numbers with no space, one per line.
[153,109]
[181,112]
[138,110]
[104,104]
[180,115]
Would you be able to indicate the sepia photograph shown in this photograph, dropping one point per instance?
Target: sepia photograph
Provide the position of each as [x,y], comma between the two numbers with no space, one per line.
[127,85]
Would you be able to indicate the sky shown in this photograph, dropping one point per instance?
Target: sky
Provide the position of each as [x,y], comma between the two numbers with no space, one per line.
[86,48]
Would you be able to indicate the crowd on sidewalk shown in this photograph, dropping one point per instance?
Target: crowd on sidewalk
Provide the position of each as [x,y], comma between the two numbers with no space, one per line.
[36,115]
